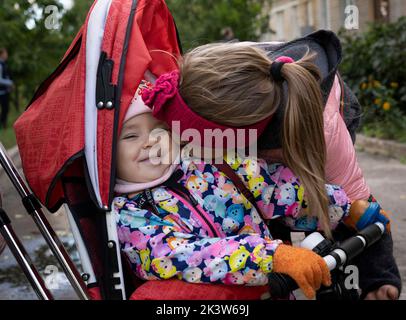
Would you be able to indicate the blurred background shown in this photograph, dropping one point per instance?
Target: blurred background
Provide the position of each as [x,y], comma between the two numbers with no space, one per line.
[34,35]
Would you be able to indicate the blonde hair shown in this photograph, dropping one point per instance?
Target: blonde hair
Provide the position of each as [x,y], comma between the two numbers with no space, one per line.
[230,83]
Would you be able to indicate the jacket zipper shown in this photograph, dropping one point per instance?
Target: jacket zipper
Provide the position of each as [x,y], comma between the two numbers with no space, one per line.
[196,209]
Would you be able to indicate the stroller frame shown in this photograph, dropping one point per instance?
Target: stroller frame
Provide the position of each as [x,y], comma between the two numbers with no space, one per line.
[34,209]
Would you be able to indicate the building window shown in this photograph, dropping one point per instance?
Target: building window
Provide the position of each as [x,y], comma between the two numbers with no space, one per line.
[309,13]
[295,22]
[279,25]
[381,10]
[325,14]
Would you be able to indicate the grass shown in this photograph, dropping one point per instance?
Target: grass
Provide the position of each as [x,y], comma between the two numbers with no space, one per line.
[7,136]
[385,131]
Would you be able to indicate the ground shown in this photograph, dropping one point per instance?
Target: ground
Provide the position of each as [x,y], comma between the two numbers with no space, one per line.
[385,176]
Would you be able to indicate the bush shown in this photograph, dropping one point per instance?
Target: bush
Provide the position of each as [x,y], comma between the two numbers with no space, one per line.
[374,67]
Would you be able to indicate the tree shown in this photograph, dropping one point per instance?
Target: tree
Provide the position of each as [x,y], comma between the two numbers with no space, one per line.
[201,21]
[35,48]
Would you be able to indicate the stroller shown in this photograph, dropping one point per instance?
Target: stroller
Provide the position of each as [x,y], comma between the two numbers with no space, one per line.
[67,135]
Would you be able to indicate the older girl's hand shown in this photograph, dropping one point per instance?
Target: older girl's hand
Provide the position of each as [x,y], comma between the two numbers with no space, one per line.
[386,292]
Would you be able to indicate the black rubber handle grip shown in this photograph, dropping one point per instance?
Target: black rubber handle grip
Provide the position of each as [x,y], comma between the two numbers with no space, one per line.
[280,285]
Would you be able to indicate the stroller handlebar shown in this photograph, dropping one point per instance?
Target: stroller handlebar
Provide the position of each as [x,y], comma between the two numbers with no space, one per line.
[281,284]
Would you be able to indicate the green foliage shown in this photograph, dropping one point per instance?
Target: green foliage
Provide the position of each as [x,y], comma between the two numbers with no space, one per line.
[34,50]
[374,66]
[201,21]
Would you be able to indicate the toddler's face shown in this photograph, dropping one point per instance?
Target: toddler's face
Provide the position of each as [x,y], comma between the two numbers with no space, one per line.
[144,149]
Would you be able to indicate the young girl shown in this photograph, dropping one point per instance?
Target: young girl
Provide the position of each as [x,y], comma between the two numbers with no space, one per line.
[238,86]
[191,220]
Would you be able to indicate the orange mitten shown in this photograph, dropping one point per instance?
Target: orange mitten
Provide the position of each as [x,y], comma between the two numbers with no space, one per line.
[304,266]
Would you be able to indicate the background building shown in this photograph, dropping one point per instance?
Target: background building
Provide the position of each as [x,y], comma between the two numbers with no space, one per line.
[294,18]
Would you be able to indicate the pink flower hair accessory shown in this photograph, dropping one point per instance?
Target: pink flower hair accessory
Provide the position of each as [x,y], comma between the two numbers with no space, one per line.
[165,88]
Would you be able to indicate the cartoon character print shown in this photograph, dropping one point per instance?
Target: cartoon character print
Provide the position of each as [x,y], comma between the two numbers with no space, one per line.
[139,240]
[255,217]
[119,202]
[251,167]
[145,259]
[286,175]
[149,229]
[306,223]
[195,259]
[293,210]
[238,259]
[254,278]
[216,269]
[133,255]
[266,195]
[336,214]
[124,234]
[258,253]
[184,251]
[236,197]
[160,194]
[170,225]
[246,229]
[212,203]
[234,160]
[233,278]
[266,264]
[220,248]
[340,197]
[192,274]
[285,194]
[236,212]
[134,219]
[221,194]
[141,273]
[159,249]
[170,205]
[197,185]
[229,225]
[164,267]
[174,242]
[249,226]
[256,185]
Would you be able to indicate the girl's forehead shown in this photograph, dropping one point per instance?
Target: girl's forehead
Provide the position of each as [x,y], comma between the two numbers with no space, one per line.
[142,120]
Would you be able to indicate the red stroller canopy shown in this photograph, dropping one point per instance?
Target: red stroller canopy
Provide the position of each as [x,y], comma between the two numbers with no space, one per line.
[138,36]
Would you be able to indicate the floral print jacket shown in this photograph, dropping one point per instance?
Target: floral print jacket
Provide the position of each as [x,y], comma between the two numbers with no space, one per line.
[215,235]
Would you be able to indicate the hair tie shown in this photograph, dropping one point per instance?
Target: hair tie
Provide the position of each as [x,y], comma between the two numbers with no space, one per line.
[276,67]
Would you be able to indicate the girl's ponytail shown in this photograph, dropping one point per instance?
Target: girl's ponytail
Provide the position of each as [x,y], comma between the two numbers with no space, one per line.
[303,144]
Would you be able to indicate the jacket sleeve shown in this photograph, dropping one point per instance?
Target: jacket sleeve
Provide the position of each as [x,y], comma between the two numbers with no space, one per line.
[342,167]
[376,265]
[160,249]
[279,193]
[3,81]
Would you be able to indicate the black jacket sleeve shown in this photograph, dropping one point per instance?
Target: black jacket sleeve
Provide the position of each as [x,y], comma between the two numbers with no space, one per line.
[377,265]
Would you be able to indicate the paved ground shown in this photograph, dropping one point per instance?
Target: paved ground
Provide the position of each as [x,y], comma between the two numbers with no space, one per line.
[386,177]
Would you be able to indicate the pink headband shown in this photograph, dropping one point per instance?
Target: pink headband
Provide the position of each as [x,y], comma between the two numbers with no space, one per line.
[167,105]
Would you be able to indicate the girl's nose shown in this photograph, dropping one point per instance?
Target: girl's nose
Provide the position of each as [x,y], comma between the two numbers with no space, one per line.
[150,141]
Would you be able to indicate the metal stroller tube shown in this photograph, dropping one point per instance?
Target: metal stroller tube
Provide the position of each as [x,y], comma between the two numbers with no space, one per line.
[34,209]
[23,258]
[281,284]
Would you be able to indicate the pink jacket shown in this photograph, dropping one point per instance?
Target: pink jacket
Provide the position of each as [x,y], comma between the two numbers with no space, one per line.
[342,166]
